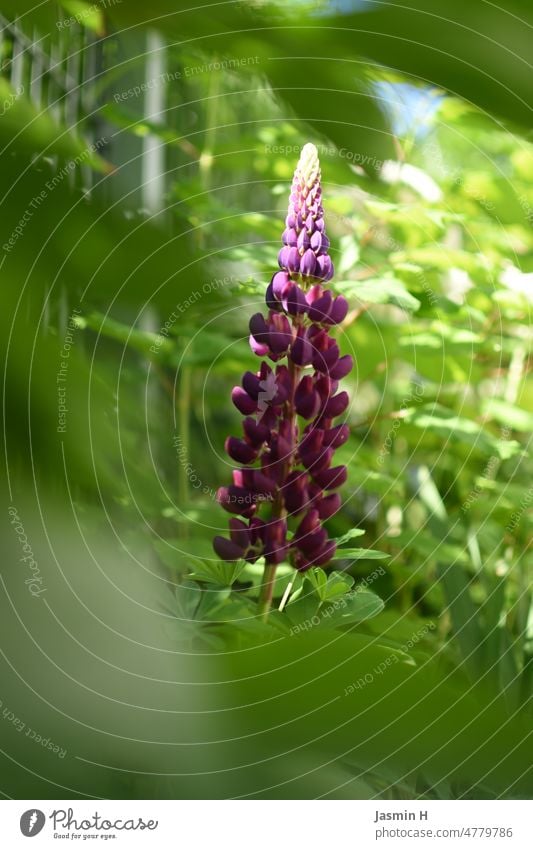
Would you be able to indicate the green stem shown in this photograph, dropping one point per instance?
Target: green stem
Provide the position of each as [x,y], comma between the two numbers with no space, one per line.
[267,589]
[184,403]
[278,510]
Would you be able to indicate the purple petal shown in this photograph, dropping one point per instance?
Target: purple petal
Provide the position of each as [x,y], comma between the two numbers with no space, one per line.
[301,351]
[258,348]
[315,461]
[324,268]
[240,533]
[339,310]
[239,450]
[312,544]
[278,283]
[270,299]
[251,385]
[308,263]
[336,405]
[293,260]
[314,293]
[309,524]
[306,399]
[283,257]
[280,335]
[312,440]
[341,368]
[295,496]
[290,238]
[255,432]
[326,554]
[259,328]
[337,436]
[257,528]
[290,221]
[331,478]
[227,550]
[242,401]
[275,537]
[320,308]
[255,481]
[304,241]
[319,241]
[293,299]
[235,499]
[325,359]
[329,505]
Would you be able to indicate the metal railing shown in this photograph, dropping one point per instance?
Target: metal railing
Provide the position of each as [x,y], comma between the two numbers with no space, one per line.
[58,72]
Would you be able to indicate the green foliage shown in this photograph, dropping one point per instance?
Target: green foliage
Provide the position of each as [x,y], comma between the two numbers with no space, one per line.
[411,676]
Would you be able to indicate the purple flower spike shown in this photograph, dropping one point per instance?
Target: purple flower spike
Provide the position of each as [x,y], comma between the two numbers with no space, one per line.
[287,448]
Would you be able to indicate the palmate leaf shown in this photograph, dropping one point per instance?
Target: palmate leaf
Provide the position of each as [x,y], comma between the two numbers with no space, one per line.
[217,572]
[327,587]
[318,580]
[351,609]
[346,608]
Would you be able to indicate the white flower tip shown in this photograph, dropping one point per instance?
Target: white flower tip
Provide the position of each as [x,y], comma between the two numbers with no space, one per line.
[308,165]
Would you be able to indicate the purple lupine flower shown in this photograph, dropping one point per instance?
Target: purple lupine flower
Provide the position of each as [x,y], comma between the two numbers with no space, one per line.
[289,437]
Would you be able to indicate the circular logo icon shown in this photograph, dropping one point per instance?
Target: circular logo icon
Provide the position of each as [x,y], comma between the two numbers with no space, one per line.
[32,822]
